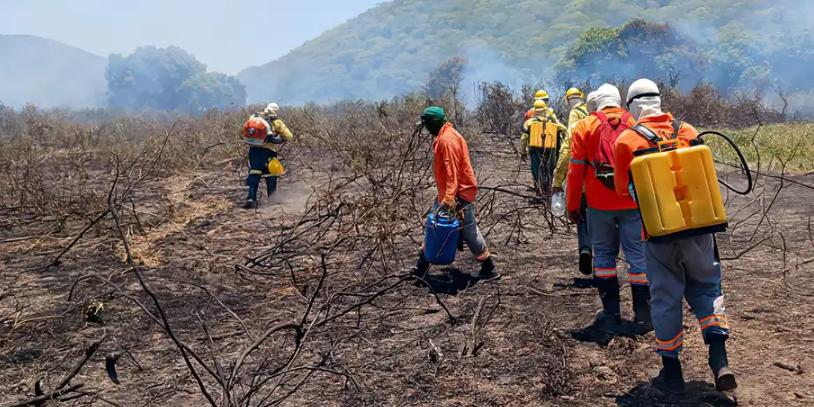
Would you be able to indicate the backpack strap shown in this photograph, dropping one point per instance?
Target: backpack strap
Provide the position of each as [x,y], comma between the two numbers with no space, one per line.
[676,127]
[582,109]
[646,133]
[601,116]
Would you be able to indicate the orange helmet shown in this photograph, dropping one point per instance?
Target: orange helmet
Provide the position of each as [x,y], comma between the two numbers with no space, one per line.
[255,131]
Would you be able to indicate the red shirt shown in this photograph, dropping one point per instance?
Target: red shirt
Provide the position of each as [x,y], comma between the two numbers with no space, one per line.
[452,167]
[584,146]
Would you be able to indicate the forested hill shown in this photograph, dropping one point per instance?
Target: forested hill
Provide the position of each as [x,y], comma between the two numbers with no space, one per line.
[49,73]
[390,49]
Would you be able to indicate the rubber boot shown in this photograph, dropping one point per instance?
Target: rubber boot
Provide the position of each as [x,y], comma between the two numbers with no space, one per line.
[609,294]
[719,363]
[421,267]
[670,379]
[586,262]
[608,322]
[641,308]
[488,272]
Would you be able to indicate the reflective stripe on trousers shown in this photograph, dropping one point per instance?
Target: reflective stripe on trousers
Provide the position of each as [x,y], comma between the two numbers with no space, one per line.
[684,268]
[611,229]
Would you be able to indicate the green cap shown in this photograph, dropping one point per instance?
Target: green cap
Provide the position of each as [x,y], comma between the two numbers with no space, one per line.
[433,114]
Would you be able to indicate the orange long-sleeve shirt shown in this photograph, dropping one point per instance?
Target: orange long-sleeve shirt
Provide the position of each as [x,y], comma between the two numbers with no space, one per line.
[581,174]
[452,167]
[629,142]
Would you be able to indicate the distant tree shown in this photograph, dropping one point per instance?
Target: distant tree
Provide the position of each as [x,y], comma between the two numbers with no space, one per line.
[636,49]
[444,84]
[168,79]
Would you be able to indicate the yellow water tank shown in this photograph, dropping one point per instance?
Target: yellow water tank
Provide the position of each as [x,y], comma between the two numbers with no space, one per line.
[543,134]
[275,168]
[678,193]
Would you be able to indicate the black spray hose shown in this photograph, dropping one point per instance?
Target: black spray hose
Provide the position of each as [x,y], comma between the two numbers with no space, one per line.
[744,164]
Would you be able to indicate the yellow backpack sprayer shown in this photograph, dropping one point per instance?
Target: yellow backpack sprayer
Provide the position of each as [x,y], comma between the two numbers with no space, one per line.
[677,187]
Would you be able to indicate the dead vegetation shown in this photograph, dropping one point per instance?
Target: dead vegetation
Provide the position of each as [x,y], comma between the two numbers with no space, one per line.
[129,277]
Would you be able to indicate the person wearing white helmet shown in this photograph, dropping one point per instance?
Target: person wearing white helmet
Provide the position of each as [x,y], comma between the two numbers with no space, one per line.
[265,133]
[613,220]
[680,267]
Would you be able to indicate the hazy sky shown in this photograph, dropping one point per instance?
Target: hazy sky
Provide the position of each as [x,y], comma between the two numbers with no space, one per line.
[226,35]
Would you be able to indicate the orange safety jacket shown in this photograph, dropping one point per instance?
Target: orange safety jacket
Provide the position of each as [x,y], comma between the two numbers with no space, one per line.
[630,141]
[581,174]
[452,167]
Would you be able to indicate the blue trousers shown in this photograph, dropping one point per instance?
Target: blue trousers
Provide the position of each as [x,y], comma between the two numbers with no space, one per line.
[258,168]
[678,269]
[611,229]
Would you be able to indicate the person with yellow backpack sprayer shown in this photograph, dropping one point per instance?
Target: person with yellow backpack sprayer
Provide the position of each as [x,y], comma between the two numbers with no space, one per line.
[264,132]
[579,111]
[664,165]
[540,140]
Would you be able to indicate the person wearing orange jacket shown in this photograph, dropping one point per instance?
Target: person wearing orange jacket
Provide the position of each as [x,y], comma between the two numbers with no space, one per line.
[457,190]
[613,220]
[681,267]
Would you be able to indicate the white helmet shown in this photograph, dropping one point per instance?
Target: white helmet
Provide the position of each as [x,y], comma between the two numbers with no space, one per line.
[607,95]
[271,109]
[642,88]
[643,99]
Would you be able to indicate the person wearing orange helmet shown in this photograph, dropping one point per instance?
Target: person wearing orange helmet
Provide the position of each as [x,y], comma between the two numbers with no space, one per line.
[264,132]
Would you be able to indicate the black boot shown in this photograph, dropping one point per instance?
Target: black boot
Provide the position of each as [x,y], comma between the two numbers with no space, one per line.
[488,272]
[670,379]
[608,323]
[250,204]
[586,262]
[609,294]
[719,363]
[641,308]
[421,266]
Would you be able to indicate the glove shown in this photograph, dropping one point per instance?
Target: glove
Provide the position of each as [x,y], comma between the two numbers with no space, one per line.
[575,216]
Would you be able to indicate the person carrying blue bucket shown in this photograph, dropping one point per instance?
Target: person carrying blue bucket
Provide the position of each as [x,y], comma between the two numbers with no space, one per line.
[453,213]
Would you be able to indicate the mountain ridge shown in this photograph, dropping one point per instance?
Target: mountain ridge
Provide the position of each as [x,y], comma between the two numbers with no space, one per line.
[389,49]
[49,73]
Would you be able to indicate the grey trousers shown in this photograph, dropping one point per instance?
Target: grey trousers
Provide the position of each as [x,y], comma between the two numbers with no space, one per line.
[470,233]
[684,268]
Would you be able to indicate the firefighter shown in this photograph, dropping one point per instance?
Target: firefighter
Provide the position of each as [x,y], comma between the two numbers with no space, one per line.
[579,110]
[540,140]
[613,220]
[680,267]
[265,133]
[457,190]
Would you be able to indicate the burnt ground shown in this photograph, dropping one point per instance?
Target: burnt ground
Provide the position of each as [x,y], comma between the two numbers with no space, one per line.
[401,349]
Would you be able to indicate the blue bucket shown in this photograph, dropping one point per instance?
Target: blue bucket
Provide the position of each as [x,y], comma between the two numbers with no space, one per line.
[441,238]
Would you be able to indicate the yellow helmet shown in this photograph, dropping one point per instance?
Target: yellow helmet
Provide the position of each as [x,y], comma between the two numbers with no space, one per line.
[541,94]
[540,104]
[276,168]
[574,92]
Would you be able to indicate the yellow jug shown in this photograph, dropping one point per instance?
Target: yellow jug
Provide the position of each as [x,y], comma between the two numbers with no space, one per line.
[543,134]
[677,191]
[276,168]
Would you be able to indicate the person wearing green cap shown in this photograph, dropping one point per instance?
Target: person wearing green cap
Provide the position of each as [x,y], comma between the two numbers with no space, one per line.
[457,189]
